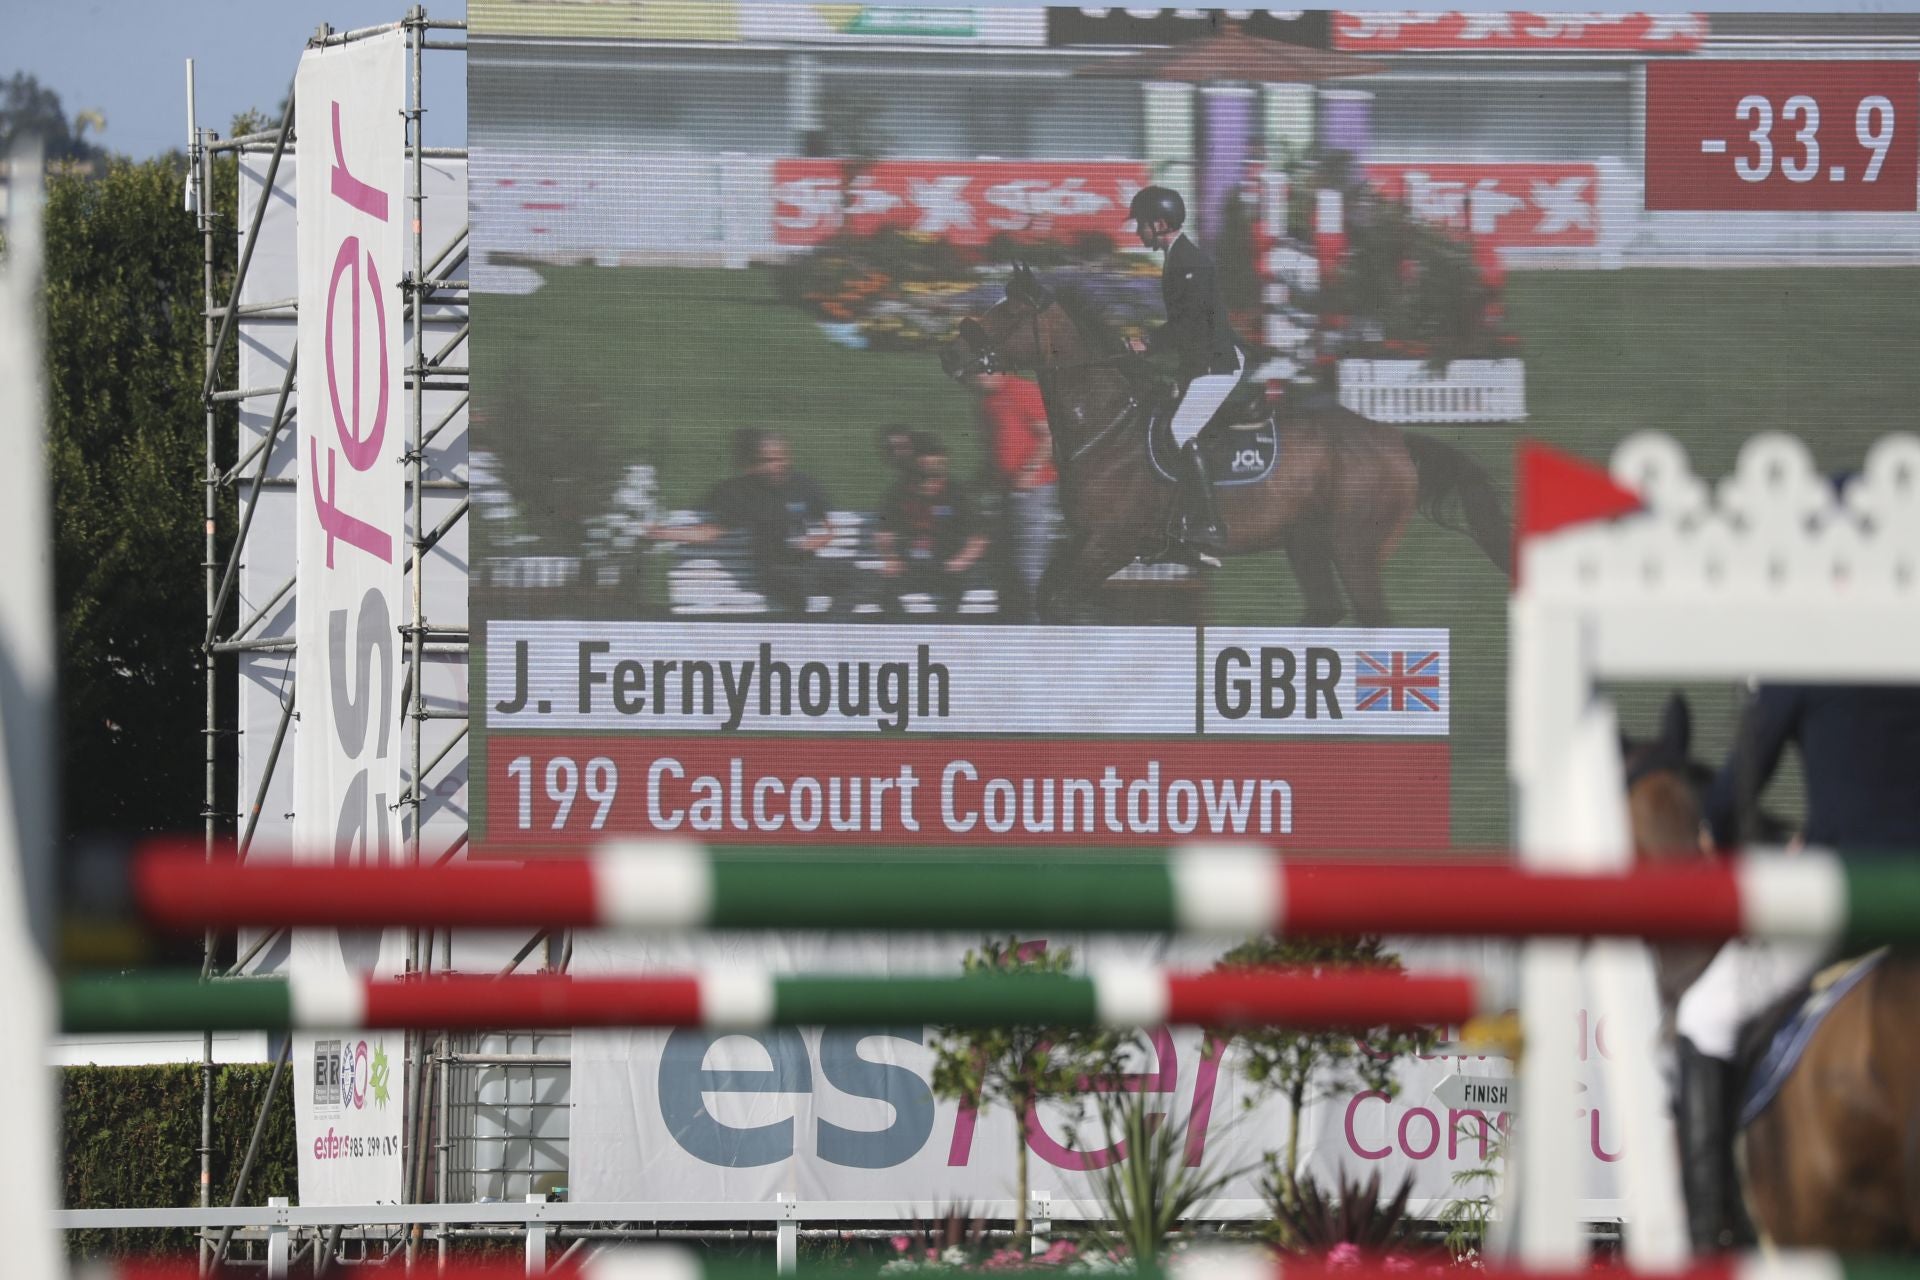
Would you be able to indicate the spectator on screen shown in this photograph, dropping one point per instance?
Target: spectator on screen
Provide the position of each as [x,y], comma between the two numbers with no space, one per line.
[783,515]
[1015,419]
[929,538]
[897,450]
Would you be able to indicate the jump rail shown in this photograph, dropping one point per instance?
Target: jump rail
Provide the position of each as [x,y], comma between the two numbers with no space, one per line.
[1201,888]
[1123,997]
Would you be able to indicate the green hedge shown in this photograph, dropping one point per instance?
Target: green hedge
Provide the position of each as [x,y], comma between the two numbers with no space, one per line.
[130,1137]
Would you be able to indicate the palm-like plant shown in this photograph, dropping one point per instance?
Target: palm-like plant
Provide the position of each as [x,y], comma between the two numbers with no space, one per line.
[1149,1189]
[1308,1220]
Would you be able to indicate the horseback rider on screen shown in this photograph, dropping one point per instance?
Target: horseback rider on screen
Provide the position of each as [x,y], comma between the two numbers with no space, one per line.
[1208,359]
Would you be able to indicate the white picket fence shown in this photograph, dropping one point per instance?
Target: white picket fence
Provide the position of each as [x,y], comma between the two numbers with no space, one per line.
[1410,390]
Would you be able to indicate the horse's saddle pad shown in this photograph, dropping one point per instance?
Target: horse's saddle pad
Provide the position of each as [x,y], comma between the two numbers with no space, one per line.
[1240,444]
[1769,1072]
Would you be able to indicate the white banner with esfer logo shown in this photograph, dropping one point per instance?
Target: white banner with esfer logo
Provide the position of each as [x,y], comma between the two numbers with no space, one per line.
[351,528]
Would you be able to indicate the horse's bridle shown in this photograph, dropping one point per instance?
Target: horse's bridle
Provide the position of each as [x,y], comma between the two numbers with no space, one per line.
[986,355]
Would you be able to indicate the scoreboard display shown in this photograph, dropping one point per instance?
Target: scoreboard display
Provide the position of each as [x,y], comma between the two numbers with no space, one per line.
[1782,136]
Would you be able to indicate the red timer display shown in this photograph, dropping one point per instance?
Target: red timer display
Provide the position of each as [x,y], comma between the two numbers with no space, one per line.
[1791,136]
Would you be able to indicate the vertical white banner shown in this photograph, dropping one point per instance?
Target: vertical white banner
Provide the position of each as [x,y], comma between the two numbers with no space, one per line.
[352,529]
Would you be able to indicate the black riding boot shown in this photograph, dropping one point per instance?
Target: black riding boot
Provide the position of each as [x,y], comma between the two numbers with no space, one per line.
[1705,1130]
[1202,530]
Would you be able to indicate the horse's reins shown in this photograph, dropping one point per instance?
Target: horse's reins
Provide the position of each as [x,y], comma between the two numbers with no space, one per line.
[1044,368]
[1033,321]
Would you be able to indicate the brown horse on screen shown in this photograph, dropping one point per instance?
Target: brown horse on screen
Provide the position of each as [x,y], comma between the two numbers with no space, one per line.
[1336,500]
[1833,1161]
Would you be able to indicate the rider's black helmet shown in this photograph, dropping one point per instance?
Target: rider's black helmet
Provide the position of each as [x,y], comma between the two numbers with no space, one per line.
[1157,204]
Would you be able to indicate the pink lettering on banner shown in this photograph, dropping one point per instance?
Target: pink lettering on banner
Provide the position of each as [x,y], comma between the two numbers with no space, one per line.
[1417,1133]
[1353,1139]
[1203,1087]
[1163,1079]
[368,199]
[1433,1133]
[337,523]
[1597,1039]
[362,450]
[1593,1129]
[358,439]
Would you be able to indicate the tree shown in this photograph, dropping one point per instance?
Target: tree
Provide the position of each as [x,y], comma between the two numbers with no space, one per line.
[29,107]
[126,454]
[1019,1067]
[1304,1066]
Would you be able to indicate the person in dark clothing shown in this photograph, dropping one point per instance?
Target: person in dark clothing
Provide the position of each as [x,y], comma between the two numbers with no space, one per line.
[1207,359]
[1860,750]
[929,537]
[784,515]
[1860,753]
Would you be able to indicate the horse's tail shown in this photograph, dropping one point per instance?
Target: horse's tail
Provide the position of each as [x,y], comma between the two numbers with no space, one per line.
[1453,488]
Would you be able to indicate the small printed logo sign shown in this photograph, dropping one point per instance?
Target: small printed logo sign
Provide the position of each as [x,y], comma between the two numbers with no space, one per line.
[347,1074]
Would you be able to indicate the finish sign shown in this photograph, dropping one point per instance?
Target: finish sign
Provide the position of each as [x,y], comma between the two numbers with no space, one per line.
[1478,1093]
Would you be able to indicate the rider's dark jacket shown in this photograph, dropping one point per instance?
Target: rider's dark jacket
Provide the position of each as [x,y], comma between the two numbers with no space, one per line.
[1197,331]
[1860,751]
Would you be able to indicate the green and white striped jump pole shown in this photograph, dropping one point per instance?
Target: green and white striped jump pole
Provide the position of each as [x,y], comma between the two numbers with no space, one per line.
[1218,1264]
[746,999]
[1218,888]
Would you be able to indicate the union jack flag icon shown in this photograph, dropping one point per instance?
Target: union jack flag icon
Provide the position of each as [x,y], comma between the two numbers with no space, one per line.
[1398,681]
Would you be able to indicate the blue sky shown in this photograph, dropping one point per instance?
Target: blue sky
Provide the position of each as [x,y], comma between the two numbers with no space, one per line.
[127,57]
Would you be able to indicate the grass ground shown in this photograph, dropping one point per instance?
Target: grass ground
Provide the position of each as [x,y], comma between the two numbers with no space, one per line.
[662,365]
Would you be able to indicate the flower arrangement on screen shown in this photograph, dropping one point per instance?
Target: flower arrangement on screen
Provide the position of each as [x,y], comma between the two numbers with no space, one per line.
[905,291]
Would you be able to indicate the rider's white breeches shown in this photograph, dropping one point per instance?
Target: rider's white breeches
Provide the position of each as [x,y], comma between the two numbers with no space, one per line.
[1204,397]
[1745,978]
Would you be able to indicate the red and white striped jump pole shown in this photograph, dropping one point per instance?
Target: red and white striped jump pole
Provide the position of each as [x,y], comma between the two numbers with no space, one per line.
[1204,888]
[1116,996]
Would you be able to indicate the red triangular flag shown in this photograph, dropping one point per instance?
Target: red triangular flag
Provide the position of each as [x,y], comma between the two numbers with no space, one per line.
[1558,489]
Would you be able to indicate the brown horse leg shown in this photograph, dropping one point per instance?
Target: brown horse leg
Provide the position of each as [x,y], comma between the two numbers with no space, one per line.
[1312,562]
[1077,569]
[1360,573]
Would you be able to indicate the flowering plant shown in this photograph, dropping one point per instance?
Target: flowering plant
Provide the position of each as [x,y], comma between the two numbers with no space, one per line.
[906,292]
[1062,1256]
